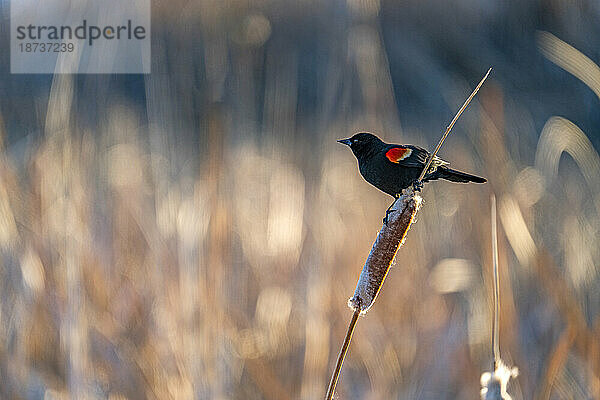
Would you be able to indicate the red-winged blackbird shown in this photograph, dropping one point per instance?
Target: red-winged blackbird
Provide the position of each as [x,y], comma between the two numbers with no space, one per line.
[393,167]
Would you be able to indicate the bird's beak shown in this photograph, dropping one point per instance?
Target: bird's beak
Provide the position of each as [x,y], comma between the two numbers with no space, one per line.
[347,142]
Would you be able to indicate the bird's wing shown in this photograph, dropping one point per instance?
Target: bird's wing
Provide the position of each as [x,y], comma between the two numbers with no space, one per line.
[398,154]
[411,156]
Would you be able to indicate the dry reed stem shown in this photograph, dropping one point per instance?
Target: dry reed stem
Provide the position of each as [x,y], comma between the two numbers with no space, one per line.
[495,320]
[449,127]
[494,383]
[342,355]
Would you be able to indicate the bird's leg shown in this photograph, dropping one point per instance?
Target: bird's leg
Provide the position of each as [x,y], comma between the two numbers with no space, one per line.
[417,186]
[389,210]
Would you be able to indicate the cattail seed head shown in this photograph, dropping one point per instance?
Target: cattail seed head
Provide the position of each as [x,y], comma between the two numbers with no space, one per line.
[493,384]
[390,238]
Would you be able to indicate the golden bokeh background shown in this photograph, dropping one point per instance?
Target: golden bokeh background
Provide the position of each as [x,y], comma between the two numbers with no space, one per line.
[196,233]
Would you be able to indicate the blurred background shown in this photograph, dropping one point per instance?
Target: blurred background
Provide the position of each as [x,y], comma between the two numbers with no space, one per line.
[195,233]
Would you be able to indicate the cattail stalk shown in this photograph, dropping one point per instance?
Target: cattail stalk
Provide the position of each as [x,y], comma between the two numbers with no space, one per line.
[493,384]
[390,238]
[449,127]
[342,355]
[495,321]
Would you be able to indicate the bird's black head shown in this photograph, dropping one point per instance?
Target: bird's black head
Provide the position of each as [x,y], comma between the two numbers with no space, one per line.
[362,144]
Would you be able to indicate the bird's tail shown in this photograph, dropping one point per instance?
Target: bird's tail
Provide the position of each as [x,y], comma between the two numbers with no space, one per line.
[453,175]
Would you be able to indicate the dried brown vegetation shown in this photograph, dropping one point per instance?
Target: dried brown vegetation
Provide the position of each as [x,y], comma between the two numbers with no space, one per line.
[201,240]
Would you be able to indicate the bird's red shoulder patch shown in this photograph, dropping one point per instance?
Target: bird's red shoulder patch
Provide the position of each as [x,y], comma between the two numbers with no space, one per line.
[397,154]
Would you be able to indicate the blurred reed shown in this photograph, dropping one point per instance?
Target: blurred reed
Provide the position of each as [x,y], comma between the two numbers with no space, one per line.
[187,234]
[494,384]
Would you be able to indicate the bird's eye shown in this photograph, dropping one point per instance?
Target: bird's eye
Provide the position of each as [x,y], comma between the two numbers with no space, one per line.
[354,141]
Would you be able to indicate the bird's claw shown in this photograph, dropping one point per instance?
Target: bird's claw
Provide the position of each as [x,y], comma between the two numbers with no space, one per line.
[389,210]
[387,213]
[417,186]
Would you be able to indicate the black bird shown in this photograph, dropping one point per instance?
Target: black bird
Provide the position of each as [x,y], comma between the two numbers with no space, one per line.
[393,167]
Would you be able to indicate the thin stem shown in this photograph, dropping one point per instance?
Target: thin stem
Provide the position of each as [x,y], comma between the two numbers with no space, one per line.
[342,356]
[449,128]
[495,321]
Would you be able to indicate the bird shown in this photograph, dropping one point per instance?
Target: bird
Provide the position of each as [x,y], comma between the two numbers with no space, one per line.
[392,168]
